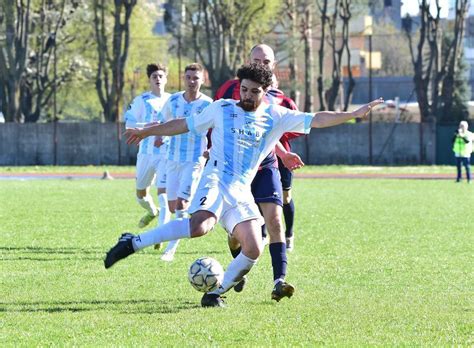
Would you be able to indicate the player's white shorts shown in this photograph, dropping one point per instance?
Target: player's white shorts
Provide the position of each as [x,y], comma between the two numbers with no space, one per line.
[147,167]
[160,181]
[182,178]
[231,206]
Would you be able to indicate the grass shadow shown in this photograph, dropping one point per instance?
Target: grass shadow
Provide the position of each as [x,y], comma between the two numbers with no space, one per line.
[143,306]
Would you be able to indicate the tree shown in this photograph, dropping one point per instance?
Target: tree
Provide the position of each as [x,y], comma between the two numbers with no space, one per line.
[112,54]
[436,59]
[15,19]
[41,78]
[219,33]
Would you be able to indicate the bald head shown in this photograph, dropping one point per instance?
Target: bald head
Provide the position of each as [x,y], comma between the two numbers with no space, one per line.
[263,54]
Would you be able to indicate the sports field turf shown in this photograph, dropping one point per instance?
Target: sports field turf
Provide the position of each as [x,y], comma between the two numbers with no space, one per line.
[376,262]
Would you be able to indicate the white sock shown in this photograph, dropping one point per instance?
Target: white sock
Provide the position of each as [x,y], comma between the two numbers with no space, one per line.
[147,204]
[175,229]
[172,245]
[239,267]
[165,214]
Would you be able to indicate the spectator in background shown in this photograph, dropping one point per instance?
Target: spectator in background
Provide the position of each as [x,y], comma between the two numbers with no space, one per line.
[462,148]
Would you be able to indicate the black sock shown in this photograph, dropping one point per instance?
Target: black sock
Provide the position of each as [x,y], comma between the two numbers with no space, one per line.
[279,260]
[289,214]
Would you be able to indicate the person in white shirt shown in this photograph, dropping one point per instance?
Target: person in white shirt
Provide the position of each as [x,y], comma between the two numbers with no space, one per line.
[244,132]
[145,110]
[185,160]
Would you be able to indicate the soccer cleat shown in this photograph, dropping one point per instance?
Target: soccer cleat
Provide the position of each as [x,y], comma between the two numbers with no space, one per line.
[168,256]
[146,219]
[240,285]
[282,289]
[290,243]
[212,300]
[121,250]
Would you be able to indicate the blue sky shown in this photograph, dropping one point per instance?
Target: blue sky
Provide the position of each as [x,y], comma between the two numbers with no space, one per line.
[412,7]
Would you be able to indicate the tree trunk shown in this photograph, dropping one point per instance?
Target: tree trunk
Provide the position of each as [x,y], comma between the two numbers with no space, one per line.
[323,10]
[308,60]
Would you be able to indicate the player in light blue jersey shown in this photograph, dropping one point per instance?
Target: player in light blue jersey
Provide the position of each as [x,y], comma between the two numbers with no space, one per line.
[145,110]
[185,160]
[244,132]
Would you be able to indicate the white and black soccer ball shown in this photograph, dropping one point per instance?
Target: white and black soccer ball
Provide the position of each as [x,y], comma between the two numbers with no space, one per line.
[205,274]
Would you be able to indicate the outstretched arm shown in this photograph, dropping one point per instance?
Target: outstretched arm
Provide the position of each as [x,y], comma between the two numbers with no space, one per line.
[173,127]
[332,118]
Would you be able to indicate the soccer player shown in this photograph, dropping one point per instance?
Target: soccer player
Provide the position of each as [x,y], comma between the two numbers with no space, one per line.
[267,188]
[244,132]
[145,110]
[185,160]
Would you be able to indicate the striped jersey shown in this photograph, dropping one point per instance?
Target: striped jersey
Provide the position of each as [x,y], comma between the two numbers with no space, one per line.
[231,90]
[145,109]
[187,147]
[241,139]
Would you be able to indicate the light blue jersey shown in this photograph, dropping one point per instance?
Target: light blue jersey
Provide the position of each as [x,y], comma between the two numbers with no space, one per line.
[146,109]
[241,139]
[186,147]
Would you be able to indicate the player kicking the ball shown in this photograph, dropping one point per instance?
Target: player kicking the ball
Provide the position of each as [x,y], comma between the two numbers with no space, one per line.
[244,132]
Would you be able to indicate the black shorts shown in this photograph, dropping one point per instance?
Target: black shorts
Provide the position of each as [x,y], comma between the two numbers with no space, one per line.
[286,176]
[266,186]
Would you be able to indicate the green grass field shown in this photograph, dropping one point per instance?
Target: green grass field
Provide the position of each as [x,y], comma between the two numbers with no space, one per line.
[376,262]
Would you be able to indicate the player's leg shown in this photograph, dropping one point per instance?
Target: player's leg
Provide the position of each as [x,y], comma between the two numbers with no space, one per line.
[268,195]
[458,168]
[198,225]
[145,174]
[467,166]
[242,220]
[206,208]
[172,184]
[277,247]
[164,212]
[247,233]
[288,204]
[189,176]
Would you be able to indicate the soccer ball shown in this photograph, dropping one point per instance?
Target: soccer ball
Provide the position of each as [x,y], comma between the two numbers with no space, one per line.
[205,274]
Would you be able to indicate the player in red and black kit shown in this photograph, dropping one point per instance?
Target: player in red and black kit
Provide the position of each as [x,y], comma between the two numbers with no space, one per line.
[267,186]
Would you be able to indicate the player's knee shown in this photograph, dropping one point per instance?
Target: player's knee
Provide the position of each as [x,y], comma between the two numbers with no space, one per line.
[253,251]
[141,194]
[274,224]
[200,224]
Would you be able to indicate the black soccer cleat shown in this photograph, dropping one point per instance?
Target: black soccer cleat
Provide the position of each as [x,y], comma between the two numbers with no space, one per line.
[282,289]
[119,251]
[212,300]
[240,285]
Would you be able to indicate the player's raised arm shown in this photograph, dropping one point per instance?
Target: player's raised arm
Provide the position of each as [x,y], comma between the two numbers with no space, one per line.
[332,118]
[173,127]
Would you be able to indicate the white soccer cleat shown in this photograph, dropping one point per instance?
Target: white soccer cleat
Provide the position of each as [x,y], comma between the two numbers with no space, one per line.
[145,220]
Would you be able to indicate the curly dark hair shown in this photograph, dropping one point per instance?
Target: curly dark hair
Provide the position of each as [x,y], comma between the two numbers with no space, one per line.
[257,73]
[151,68]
